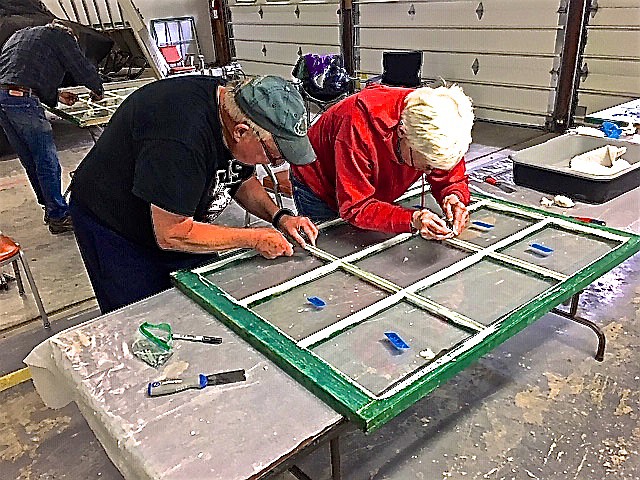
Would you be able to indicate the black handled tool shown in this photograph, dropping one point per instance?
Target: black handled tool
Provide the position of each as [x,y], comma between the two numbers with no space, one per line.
[197,338]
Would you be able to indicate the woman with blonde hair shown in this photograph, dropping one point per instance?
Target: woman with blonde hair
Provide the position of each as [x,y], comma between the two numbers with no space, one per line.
[373,145]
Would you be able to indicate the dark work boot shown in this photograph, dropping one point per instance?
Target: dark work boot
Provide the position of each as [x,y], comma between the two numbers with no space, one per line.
[62,225]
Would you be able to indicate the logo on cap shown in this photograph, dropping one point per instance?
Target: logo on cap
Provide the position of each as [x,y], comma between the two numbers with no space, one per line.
[300,128]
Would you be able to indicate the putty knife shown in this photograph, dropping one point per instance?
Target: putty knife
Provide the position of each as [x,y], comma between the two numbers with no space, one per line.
[173,385]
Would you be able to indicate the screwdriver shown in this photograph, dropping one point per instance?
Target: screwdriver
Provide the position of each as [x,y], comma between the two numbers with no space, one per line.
[505,188]
[174,385]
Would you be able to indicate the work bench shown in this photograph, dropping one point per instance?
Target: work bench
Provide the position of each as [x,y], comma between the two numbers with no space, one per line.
[245,430]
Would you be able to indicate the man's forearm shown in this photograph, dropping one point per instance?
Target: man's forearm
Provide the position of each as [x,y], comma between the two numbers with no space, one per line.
[255,199]
[197,237]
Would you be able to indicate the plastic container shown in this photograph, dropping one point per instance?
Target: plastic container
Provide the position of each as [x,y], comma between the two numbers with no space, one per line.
[545,167]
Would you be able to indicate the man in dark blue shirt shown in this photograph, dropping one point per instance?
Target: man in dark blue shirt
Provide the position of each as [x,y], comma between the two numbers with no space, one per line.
[33,63]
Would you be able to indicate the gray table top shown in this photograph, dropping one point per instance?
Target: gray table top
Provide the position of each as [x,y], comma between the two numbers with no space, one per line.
[236,431]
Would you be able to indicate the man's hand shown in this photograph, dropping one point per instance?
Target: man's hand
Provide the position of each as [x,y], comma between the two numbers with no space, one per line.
[455,212]
[430,225]
[67,98]
[270,243]
[95,97]
[294,225]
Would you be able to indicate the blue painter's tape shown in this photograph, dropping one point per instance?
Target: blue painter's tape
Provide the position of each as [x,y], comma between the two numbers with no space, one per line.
[482,226]
[317,302]
[396,341]
[540,249]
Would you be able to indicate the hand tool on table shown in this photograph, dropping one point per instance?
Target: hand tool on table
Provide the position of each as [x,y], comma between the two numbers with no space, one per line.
[174,385]
[197,338]
[502,186]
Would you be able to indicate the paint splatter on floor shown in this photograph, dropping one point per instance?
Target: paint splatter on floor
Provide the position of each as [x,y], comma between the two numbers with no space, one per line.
[23,428]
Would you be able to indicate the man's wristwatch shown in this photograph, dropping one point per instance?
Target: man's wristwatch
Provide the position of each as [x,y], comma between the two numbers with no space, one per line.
[279,214]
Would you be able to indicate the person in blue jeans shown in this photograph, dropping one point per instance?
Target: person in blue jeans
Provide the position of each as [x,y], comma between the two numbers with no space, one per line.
[33,64]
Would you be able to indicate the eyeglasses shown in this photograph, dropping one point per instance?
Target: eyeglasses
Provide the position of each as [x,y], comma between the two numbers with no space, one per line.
[399,153]
[274,160]
[423,167]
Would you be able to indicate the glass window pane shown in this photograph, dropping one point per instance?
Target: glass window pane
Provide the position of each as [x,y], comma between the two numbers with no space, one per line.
[345,239]
[571,251]
[187,33]
[364,353]
[158,28]
[247,277]
[504,225]
[410,261]
[343,294]
[173,32]
[486,291]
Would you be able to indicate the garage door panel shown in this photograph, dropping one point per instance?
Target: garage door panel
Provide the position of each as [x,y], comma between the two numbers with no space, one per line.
[595,101]
[315,14]
[617,16]
[292,34]
[457,40]
[611,56]
[497,13]
[612,83]
[508,98]
[278,52]
[613,42]
[509,117]
[460,67]
[612,75]
[258,68]
[606,4]
[612,67]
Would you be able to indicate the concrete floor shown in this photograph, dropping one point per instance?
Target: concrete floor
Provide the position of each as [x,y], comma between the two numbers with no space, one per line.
[537,407]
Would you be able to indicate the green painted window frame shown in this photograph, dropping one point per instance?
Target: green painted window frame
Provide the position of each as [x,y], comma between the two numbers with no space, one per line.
[343,394]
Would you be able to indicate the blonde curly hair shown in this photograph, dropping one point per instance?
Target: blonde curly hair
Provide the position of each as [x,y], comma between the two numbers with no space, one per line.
[438,124]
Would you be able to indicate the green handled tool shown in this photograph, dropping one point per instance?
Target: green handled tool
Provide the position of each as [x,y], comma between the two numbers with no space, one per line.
[173,385]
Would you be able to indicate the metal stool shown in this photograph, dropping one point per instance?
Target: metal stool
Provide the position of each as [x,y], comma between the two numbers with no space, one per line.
[10,252]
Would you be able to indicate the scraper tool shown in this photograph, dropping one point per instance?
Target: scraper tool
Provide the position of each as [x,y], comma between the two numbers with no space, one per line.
[173,385]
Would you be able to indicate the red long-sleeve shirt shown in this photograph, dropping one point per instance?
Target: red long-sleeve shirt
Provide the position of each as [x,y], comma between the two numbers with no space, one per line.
[357,172]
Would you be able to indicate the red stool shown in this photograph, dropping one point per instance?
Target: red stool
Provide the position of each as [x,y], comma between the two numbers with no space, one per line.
[10,252]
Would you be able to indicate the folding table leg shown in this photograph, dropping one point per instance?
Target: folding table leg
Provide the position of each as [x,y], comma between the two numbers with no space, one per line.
[336,474]
[334,445]
[571,315]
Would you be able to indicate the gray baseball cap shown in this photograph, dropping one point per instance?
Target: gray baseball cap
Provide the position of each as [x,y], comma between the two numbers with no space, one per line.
[276,105]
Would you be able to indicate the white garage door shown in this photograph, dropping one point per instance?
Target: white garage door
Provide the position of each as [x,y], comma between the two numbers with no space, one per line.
[611,62]
[269,36]
[504,53]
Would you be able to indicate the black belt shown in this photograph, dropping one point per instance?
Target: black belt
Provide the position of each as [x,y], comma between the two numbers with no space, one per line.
[25,91]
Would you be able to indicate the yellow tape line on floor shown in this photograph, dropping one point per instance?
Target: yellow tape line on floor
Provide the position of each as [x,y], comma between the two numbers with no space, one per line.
[14,378]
